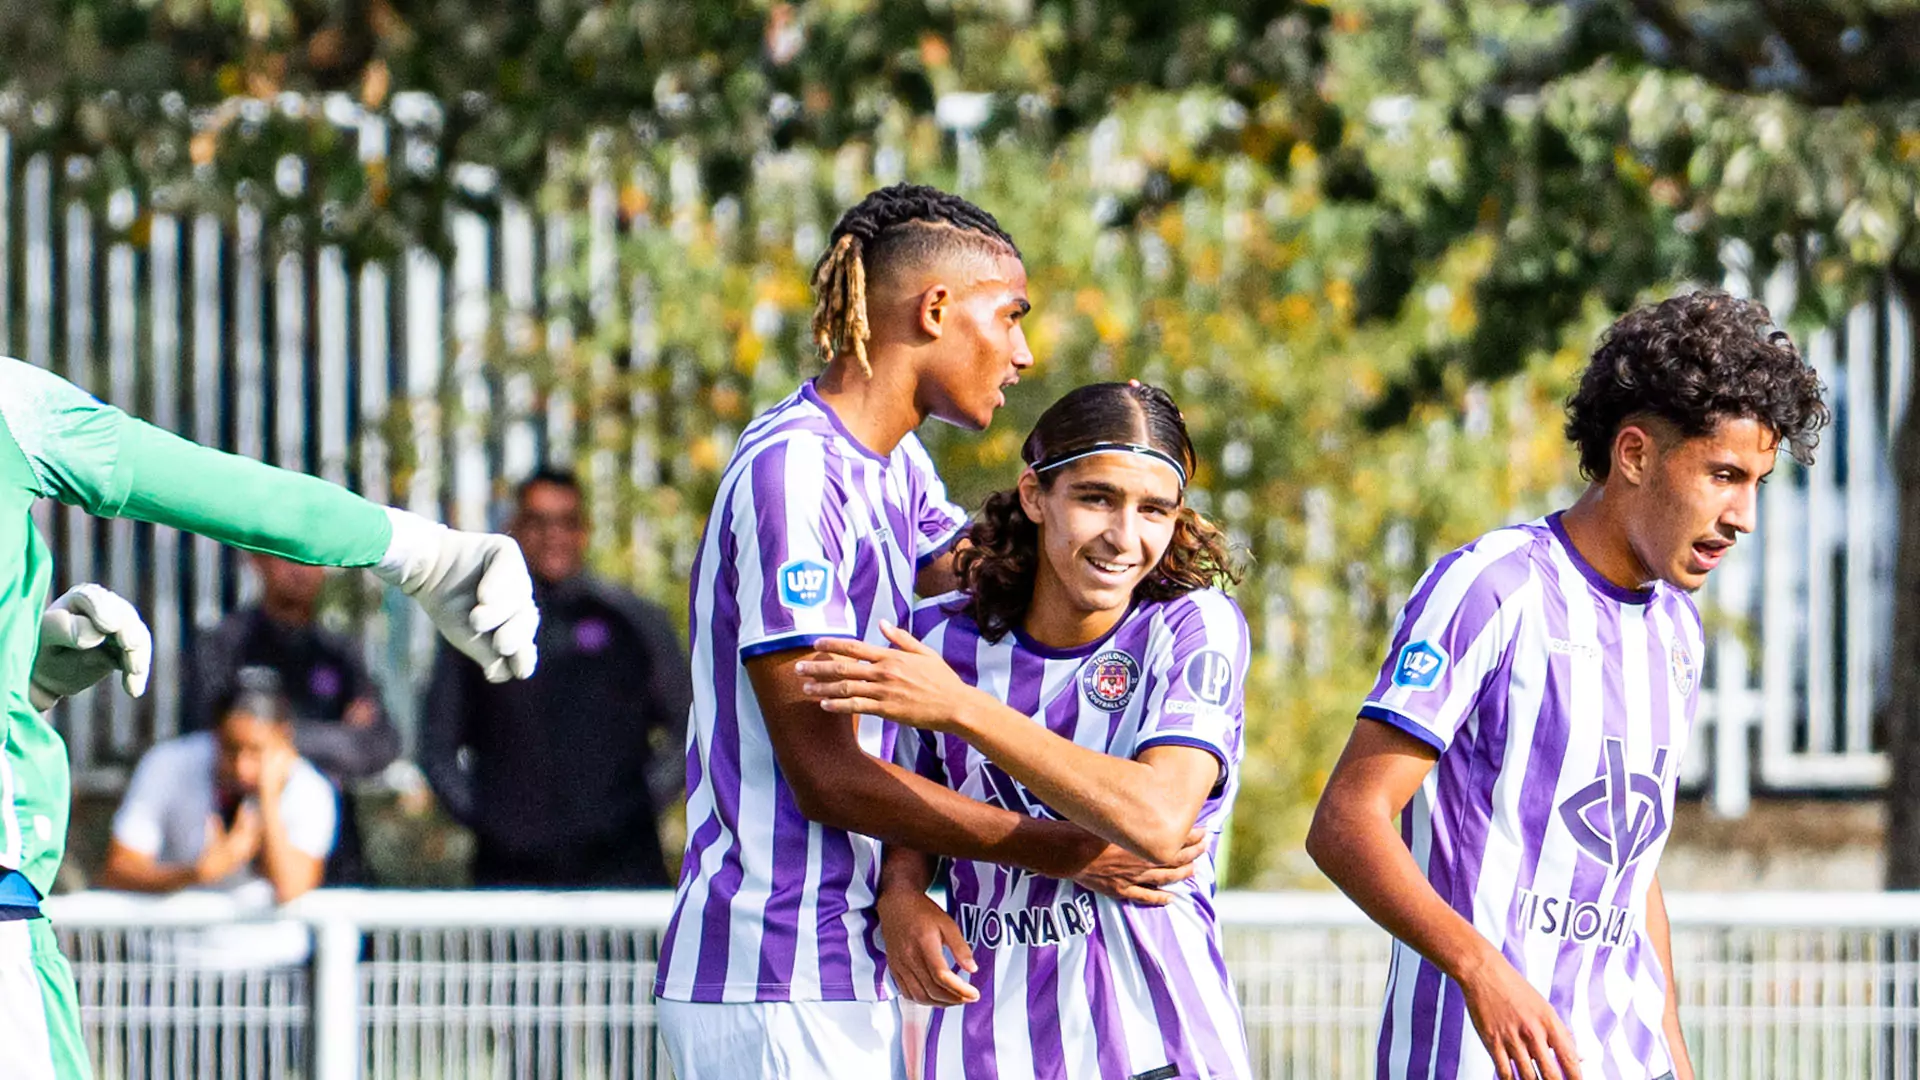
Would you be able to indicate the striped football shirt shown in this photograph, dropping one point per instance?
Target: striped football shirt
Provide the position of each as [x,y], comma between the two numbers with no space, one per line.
[1073,984]
[812,535]
[1560,704]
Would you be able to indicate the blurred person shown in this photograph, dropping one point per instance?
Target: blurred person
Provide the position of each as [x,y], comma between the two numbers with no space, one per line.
[1538,692]
[563,777]
[59,442]
[339,725]
[1090,669]
[829,517]
[231,809]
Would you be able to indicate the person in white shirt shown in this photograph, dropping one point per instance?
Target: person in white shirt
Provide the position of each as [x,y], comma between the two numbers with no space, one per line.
[234,809]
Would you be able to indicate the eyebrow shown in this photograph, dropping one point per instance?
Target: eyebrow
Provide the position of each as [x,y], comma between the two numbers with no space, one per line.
[1101,487]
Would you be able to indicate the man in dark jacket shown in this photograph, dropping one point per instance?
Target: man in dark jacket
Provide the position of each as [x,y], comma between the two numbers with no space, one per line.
[562,777]
[339,723]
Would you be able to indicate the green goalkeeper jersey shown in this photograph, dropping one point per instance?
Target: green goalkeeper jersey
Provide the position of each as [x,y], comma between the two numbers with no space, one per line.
[59,442]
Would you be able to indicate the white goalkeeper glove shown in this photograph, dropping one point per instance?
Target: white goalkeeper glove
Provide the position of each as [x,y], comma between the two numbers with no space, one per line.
[474,586]
[86,635]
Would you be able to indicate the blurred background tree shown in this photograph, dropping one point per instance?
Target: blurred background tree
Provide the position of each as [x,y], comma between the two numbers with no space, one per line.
[1367,243]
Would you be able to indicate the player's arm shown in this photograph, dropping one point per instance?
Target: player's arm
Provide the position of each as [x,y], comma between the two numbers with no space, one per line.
[840,785]
[1661,931]
[1146,804]
[1355,843]
[85,453]
[290,863]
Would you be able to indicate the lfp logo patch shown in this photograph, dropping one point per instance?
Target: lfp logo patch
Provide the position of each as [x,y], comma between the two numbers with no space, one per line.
[1109,680]
[1209,676]
[803,584]
[1420,665]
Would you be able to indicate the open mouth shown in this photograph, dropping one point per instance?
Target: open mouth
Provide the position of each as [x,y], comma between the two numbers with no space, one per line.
[1708,553]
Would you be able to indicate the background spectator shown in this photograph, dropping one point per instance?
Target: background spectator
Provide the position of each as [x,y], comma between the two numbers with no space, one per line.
[228,809]
[339,723]
[562,777]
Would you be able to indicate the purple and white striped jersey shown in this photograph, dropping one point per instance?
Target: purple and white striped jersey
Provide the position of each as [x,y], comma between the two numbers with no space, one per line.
[1073,984]
[812,535]
[1560,704]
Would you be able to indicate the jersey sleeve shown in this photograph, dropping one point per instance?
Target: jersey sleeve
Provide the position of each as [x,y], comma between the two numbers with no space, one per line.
[87,453]
[139,823]
[794,552]
[310,811]
[1448,640]
[937,520]
[1200,682]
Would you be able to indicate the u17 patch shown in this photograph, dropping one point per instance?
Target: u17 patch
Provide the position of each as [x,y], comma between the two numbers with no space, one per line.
[803,583]
[1419,666]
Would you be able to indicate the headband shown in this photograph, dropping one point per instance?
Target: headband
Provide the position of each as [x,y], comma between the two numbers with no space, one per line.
[1070,456]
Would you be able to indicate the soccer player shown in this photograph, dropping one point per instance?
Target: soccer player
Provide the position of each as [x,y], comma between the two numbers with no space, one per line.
[56,441]
[828,518]
[1089,670]
[1532,710]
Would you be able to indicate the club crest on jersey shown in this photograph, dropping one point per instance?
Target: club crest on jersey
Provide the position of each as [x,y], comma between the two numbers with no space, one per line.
[1109,680]
[1685,671]
[803,584]
[1420,665]
[1209,677]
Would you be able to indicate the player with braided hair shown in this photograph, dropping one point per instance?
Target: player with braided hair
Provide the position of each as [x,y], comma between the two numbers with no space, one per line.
[829,518]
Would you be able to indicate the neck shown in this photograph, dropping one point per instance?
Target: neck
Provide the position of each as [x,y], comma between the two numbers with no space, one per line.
[1053,620]
[286,612]
[1595,526]
[879,410]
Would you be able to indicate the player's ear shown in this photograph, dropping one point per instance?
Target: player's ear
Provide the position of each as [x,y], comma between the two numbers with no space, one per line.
[1030,495]
[934,309]
[1634,448]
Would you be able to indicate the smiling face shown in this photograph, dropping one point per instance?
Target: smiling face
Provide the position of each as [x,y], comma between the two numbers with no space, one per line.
[979,348]
[1687,500]
[1105,521]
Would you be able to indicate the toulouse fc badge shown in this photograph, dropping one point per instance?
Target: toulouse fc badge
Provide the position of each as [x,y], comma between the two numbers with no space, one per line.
[1109,680]
[1684,672]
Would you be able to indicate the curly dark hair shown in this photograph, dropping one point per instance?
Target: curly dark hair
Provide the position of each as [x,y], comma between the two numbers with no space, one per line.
[1694,361]
[998,564]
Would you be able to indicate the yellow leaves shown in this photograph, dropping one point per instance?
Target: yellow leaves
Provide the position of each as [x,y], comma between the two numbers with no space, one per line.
[1462,316]
[1907,147]
[202,147]
[934,51]
[1302,156]
[1339,293]
[375,85]
[729,403]
[634,201]
[704,454]
[1296,312]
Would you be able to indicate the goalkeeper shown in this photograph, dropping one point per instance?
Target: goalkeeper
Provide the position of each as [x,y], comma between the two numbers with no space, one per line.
[59,442]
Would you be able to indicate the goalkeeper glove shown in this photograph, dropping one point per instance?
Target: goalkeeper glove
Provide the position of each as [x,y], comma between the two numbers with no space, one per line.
[474,586]
[85,635]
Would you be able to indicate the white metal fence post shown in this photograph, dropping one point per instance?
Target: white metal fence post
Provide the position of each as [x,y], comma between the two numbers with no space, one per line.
[336,1000]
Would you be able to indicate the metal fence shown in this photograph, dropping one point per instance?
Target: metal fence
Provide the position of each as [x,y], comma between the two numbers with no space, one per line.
[522,986]
[301,360]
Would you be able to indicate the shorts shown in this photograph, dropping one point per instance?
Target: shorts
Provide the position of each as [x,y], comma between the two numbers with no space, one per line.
[783,1040]
[39,1010]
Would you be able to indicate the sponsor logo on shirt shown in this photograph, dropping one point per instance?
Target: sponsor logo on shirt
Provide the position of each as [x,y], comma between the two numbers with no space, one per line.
[1040,924]
[1209,675]
[1420,665]
[1110,679]
[1685,672]
[1583,649]
[1568,919]
[1620,815]
[803,584]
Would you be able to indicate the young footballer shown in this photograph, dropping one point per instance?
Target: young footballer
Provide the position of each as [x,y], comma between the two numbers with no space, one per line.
[1531,713]
[828,518]
[1088,671]
[59,442]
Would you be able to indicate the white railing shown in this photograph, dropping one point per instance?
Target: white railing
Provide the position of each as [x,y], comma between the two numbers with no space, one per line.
[420,986]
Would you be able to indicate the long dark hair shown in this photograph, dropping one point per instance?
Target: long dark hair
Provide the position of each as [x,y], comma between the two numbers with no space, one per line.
[998,566]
